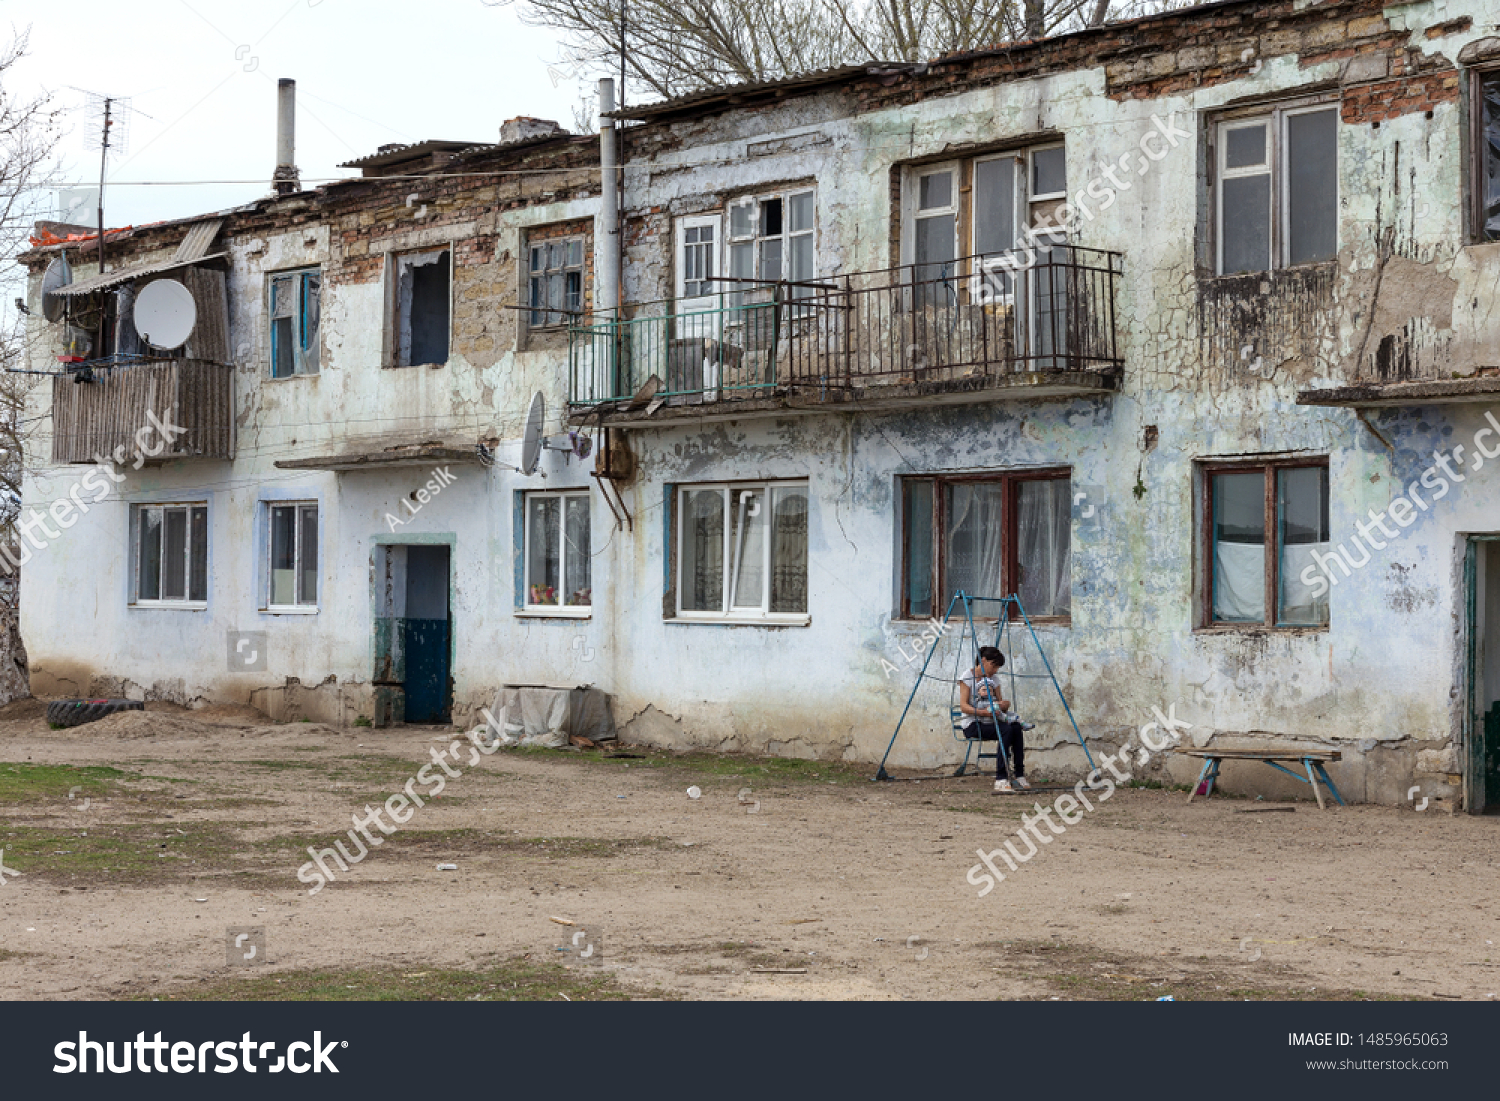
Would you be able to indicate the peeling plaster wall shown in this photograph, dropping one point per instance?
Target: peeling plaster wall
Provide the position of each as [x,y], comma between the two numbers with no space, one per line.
[87,640]
[1213,363]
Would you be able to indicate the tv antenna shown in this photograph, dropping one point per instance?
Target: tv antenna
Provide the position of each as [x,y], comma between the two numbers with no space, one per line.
[107,130]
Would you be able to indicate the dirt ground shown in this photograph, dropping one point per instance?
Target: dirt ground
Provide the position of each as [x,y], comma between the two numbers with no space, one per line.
[143,838]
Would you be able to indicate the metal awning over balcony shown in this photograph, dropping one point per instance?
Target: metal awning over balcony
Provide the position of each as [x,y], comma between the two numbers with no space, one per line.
[1033,324]
[420,454]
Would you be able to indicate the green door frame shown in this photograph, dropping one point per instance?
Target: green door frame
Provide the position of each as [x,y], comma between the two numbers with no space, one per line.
[1473,733]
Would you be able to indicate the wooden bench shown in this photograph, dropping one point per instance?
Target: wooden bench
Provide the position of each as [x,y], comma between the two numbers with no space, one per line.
[1311,760]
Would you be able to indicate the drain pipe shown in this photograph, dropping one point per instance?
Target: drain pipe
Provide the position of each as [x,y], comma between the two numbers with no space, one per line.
[607,300]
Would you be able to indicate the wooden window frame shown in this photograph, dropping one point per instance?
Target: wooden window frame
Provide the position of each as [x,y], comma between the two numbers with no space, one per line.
[1267,468]
[1275,116]
[1009,551]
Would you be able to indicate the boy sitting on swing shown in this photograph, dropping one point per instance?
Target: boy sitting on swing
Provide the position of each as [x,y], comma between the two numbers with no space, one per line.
[989,718]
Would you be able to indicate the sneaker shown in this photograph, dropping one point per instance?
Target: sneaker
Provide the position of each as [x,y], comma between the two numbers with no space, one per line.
[1023,783]
[1003,787]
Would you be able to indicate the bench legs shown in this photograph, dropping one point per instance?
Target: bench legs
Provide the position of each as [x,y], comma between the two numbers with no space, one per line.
[1312,778]
[1210,772]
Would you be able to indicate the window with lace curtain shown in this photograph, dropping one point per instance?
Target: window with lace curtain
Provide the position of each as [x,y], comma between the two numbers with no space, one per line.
[742,551]
[988,535]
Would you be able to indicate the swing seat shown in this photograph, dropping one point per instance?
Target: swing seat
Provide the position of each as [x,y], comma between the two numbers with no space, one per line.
[969,744]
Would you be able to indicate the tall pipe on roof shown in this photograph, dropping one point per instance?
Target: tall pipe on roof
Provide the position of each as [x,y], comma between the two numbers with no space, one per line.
[607,276]
[286,180]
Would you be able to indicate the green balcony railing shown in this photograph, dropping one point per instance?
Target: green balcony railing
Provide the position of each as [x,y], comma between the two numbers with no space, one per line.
[950,323]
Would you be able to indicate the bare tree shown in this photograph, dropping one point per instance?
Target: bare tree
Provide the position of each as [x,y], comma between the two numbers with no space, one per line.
[29,134]
[678,46]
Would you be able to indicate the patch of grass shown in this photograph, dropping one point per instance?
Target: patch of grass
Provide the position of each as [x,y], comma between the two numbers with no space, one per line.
[117,854]
[6,955]
[460,842]
[1088,974]
[517,979]
[723,766]
[39,783]
[362,721]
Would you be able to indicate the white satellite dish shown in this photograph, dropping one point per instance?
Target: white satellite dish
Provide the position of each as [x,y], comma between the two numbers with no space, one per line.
[531,442]
[165,314]
[57,276]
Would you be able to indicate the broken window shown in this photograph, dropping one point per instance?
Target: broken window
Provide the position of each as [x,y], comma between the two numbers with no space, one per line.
[294,556]
[557,552]
[988,535]
[171,554]
[1277,189]
[1267,534]
[556,289]
[296,309]
[771,239]
[742,551]
[422,308]
[1484,114]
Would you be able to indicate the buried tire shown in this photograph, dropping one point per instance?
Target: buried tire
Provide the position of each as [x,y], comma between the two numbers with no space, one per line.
[66,713]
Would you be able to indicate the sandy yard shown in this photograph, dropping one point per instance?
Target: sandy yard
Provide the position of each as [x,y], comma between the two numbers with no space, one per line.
[142,839]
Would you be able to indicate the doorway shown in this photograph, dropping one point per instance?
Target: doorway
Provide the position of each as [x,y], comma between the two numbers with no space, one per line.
[413,634]
[1482,759]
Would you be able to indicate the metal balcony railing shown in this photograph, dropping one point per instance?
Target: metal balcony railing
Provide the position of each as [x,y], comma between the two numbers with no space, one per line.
[936,326]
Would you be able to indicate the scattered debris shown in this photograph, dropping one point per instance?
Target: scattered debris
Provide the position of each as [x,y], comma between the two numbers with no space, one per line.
[778,970]
[694,792]
[1266,810]
[560,921]
[801,921]
[447,867]
[581,742]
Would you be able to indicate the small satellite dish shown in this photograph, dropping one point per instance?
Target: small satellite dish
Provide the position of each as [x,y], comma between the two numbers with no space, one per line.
[531,443]
[165,314]
[57,276]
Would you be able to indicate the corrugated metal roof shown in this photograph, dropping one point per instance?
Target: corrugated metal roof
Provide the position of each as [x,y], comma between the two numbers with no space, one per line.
[198,238]
[410,153]
[126,274]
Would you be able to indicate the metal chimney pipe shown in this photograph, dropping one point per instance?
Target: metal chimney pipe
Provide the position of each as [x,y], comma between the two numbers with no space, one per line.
[607,276]
[286,179]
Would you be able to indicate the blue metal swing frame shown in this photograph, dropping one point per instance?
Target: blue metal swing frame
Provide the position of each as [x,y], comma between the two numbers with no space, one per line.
[1002,633]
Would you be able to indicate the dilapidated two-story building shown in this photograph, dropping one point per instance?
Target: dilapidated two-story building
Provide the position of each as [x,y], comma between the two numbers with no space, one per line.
[1178,329]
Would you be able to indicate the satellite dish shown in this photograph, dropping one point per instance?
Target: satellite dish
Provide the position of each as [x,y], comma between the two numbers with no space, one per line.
[531,442]
[57,276]
[165,314]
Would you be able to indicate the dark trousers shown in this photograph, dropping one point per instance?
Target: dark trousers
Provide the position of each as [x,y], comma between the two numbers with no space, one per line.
[1012,742]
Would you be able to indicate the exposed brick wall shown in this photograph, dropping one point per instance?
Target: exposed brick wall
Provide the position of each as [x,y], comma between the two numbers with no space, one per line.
[1392,98]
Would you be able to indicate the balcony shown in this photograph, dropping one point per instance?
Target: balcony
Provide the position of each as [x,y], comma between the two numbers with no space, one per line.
[101,406]
[982,328]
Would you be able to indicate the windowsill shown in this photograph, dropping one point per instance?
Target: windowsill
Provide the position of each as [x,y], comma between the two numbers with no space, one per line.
[742,621]
[409,366]
[171,605]
[565,612]
[290,609]
[1036,621]
[1256,628]
[291,378]
[1311,265]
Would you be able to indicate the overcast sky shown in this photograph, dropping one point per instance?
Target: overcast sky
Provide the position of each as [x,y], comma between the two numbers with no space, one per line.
[201,79]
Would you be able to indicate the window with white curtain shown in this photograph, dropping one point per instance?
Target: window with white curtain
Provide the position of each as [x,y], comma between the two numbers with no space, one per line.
[742,551]
[987,535]
[1266,522]
[557,553]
